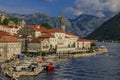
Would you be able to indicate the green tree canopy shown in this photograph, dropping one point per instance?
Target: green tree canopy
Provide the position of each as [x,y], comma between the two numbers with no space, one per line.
[15,20]
[5,21]
[48,26]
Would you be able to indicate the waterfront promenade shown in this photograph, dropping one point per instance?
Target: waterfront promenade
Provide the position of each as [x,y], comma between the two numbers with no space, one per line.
[7,68]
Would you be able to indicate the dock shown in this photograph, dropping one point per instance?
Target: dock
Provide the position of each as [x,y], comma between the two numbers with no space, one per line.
[7,68]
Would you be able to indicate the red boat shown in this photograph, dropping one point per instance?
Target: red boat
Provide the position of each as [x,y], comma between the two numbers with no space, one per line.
[50,67]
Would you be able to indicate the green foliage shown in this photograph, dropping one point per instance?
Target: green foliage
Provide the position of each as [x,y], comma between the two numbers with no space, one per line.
[91,49]
[92,44]
[15,20]
[48,26]
[5,21]
[39,53]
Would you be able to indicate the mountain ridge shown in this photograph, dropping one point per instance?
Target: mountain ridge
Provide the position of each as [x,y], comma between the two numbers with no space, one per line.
[81,26]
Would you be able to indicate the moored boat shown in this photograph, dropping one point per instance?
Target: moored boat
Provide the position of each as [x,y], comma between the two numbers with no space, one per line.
[50,65]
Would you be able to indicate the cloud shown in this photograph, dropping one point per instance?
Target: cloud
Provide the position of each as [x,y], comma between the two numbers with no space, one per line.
[114,5]
[93,7]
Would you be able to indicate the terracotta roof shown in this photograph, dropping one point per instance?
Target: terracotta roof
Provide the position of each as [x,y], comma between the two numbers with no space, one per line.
[47,35]
[71,34]
[10,26]
[37,40]
[8,39]
[38,28]
[42,37]
[3,33]
[92,40]
[53,30]
[66,37]
[85,40]
[14,35]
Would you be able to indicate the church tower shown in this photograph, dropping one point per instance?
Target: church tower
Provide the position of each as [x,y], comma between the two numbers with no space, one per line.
[62,22]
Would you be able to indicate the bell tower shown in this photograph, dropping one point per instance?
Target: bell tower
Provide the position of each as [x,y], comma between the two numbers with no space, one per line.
[62,23]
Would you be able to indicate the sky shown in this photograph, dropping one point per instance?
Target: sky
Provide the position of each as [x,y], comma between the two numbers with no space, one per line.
[56,7]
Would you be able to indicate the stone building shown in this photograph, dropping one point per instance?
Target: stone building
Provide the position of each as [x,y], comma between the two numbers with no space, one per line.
[83,44]
[11,23]
[9,46]
[42,39]
[39,44]
[11,30]
[32,30]
[21,23]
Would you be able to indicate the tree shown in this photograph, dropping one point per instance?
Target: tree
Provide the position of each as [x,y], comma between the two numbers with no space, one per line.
[48,26]
[15,20]
[5,21]
[92,44]
[92,47]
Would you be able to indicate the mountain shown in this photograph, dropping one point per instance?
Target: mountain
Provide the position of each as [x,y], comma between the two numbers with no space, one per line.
[109,30]
[81,26]
[85,24]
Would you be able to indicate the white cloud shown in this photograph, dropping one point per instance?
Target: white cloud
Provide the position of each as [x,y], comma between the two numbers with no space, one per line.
[114,5]
[73,11]
[94,7]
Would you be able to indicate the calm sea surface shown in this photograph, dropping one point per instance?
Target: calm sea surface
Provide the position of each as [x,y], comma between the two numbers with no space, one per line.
[100,67]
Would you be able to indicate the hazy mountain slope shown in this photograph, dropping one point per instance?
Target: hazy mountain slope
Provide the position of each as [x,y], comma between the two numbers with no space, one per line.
[82,25]
[110,30]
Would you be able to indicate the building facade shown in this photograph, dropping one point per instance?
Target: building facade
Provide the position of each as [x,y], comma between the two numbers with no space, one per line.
[9,46]
[11,30]
[42,39]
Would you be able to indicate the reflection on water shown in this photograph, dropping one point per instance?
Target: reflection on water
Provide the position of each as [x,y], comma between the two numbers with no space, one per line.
[100,67]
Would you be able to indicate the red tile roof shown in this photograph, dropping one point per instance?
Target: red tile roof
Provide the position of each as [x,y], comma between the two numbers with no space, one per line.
[66,37]
[10,26]
[37,40]
[47,35]
[8,39]
[14,35]
[3,33]
[71,34]
[38,28]
[53,30]
[42,37]
[92,40]
[85,40]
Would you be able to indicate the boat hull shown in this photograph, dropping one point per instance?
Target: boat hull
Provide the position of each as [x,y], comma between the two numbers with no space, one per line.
[49,67]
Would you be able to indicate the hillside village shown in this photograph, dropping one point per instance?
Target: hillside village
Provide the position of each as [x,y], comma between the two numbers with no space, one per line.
[18,38]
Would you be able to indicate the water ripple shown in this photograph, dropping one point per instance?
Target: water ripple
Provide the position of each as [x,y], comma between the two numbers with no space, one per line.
[101,67]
